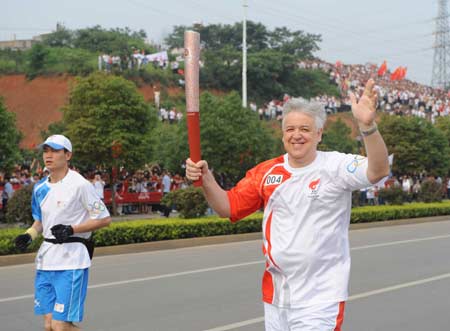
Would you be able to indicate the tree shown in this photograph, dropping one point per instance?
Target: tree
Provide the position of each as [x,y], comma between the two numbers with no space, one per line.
[233,139]
[259,38]
[270,73]
[62,37]
[297,43]
[37,57]
[171,147]
[10,137]
[443,124]
[114,41]
[104,110]
[337,137]
[109,123]
[416,144]
[222,69]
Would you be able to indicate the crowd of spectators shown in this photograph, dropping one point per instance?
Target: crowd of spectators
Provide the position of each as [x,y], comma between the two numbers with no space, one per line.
[139,59]
[170,116]
[396,97]
[410,185]
[143,182]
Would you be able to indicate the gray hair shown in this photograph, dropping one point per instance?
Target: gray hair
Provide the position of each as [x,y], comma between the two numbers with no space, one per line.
[311,108]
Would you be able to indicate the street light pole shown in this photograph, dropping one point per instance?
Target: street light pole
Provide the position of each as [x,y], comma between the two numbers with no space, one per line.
[244,56]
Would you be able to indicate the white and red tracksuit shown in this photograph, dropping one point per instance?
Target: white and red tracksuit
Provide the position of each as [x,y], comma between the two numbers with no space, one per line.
[305,225]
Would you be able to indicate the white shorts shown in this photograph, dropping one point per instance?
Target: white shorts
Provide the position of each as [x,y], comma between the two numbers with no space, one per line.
[322,317]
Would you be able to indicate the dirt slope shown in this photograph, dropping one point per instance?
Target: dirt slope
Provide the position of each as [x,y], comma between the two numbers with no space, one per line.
[37,103]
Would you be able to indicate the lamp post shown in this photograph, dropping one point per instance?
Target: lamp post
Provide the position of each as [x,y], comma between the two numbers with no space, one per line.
[244,56]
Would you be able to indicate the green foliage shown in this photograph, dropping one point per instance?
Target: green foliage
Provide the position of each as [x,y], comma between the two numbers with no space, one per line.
[19,206]
[36,60]
[416,144]
[271,64]
[106,110]
[113,41]
[299,43]
[12,61]
[233,138]
[7,66]
[10,137]
[62,37]
[443,124]
[7,237]
[53,128]
[143,231]
[189,202]
[430,191]
[59,60]
[393,195]
[337,137]
[222,69]
[152,75]
[309,83]
[259,38]
[270,74]
[96,39]
[412,210]
[171,149]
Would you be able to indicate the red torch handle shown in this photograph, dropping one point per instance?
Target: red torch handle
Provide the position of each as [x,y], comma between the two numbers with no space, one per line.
[192,68]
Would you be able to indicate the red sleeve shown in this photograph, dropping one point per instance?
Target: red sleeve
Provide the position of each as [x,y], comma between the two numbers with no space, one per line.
[245,197]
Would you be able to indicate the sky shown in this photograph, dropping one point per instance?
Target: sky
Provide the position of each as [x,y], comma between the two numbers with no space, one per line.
[353,31]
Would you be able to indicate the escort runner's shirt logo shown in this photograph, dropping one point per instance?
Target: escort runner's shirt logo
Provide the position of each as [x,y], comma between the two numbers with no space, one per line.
[313,189]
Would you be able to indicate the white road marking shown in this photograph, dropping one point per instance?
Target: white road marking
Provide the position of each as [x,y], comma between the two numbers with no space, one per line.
[229,266]
[351,298]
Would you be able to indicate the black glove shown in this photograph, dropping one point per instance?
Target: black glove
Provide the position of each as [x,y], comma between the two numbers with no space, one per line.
[22,241]
[62,232]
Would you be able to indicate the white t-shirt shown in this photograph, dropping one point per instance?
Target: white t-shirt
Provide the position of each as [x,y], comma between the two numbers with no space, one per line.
[99,187]
[70,201]
[305,225]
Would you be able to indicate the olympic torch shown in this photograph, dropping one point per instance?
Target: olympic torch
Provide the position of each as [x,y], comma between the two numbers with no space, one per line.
[191,72]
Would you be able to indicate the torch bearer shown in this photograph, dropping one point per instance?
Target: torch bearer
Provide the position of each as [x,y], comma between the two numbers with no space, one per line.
[191,72]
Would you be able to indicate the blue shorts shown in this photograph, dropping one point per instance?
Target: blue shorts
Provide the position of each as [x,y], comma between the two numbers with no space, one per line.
[61,293]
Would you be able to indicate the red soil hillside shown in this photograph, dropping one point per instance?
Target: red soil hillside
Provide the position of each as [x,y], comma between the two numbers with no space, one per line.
[36,103]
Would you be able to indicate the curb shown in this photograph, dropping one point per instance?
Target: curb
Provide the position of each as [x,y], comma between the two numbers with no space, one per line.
[7,260]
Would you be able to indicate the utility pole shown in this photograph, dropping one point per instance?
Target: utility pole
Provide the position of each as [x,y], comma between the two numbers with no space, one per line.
[244,56]
[441,61]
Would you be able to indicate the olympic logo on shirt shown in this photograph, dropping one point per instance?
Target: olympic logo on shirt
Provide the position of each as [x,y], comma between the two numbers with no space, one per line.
[355,163]
[97,207]
[314,188]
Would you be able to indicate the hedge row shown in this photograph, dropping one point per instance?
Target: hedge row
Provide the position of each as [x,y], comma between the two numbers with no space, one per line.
[128,232]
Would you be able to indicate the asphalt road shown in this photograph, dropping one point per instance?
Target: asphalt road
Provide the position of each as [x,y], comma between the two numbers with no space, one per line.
[400,281]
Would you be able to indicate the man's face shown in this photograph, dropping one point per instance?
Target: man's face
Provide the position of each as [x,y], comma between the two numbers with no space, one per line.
[54,159]
[300,138]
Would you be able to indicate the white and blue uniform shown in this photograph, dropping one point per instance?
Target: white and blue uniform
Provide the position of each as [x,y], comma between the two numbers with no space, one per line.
[62,269]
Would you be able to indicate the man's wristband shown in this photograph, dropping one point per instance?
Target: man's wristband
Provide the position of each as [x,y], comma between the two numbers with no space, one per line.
[369,131]
[32,232]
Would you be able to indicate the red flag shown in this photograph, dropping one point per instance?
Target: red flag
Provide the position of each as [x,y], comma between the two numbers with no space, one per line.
[382,69]
[403,73]
[396,74]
